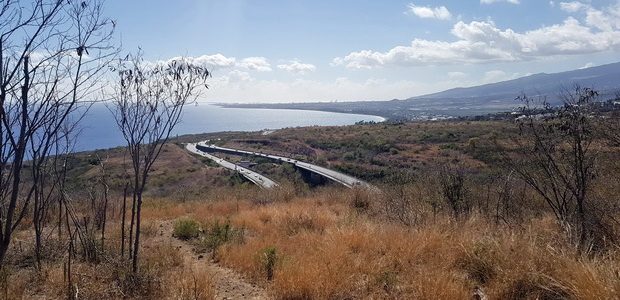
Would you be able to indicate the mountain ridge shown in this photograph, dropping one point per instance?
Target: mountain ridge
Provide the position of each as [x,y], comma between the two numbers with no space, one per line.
[472,101]
[602,78]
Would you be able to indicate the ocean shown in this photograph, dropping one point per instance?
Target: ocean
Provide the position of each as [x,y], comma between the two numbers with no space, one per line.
[99,131]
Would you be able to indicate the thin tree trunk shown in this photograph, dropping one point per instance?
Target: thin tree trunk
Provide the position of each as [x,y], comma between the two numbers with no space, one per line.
[60,218]
[69,278]
[131,225]
[37,229]
[71,237]
[37,238]
[17,167]
[3,248]
[137,240]
[583,238]
[123,220]
[105,215]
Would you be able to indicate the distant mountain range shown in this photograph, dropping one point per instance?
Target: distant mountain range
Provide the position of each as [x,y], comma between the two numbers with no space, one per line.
[605,78]
[475,100]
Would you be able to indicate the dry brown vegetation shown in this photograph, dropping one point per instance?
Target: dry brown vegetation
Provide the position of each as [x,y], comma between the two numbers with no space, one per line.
[375,152]
[165,273]
[337,243]
[325,248]
[417,238]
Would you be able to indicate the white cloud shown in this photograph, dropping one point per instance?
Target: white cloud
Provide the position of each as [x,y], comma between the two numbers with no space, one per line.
[223,89]
[493,76]
[259,64]
[229,88]
[219,61]
[600,20]
[216,60]
[426,12]
[572,6]
[457,75]
[496,1]
[586,66]
[497,76]
[484,42]
[605,20]
[297,67]
[239,76]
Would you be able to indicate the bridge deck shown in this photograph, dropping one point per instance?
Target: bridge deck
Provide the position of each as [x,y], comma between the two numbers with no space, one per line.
[341,178]
[252,176]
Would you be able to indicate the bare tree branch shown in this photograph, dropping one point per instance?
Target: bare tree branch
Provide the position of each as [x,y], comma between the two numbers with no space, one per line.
[51,55]
[148,104]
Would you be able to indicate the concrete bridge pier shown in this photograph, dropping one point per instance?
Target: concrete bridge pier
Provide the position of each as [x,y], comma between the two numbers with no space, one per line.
[312,178]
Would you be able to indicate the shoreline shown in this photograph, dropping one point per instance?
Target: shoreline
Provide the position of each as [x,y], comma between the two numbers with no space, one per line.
[113,141]
[242,106]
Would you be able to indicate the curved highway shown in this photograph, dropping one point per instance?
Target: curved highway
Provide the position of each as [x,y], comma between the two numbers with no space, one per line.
[341,178]
[252,176]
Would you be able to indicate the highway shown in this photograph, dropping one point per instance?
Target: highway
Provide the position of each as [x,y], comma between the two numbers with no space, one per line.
[252,176]
[341,178]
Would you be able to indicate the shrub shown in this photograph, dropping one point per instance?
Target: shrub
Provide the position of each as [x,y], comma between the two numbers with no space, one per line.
[269,259]
[94,161]
[186,229]
[454,191]
[219,234]
[361,199]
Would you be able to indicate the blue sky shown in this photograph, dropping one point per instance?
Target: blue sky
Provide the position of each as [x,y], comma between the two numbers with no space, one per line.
[320,50]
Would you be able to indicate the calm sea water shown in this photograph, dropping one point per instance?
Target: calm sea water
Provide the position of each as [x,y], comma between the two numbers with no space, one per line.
[99,129]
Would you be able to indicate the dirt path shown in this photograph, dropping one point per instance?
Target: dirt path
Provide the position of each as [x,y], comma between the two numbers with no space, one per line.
[228,284]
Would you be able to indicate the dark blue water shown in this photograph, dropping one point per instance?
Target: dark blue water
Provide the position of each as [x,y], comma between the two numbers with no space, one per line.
[99,129]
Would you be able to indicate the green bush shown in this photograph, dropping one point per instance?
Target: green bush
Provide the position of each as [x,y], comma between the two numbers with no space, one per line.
[186,229]
[269,259]
[94,161]
[218,234]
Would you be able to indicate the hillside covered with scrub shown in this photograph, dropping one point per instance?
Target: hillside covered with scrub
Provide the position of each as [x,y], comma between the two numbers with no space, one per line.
[461,210]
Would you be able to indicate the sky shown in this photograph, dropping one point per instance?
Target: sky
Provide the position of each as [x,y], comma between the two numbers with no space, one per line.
[355,50]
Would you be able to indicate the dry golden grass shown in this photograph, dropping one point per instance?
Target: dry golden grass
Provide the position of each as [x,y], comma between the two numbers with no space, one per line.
[191,284]
[324,246]
[326,249]
[164,274]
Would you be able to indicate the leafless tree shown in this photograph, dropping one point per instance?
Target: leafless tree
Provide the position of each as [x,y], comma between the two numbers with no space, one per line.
[454,190]
[149,99]
[51,55]
[46,181]
[556,156]
[98,190]
[102,215]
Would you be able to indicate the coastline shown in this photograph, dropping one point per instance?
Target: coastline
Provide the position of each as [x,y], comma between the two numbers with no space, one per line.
[213,119]
[262,107]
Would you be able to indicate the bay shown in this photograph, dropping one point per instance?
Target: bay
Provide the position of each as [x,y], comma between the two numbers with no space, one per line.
[99,131]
